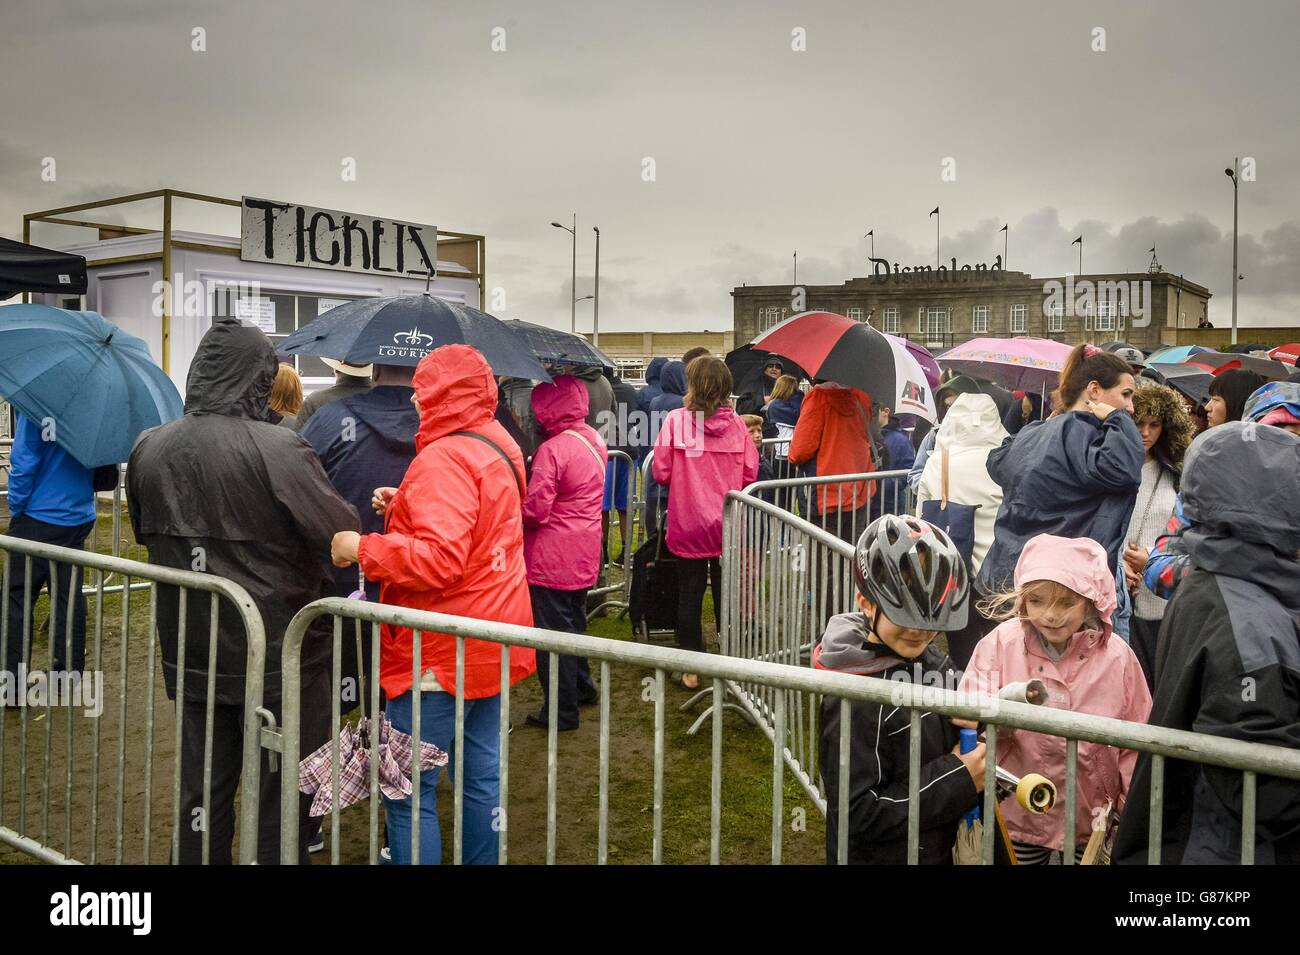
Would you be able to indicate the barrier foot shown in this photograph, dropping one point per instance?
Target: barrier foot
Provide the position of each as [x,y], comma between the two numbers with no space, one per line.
[700,720]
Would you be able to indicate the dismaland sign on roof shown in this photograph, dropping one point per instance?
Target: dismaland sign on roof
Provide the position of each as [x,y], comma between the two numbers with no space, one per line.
[286,233]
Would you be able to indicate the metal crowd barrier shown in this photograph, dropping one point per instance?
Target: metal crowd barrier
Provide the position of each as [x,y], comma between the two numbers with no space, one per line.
[785,683]
[784,577]
[130,699]
[619,594]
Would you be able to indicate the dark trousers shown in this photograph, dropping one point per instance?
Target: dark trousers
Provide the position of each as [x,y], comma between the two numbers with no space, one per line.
[1142,637]
[693,575]
[566,611]
[67,579]
[227,767]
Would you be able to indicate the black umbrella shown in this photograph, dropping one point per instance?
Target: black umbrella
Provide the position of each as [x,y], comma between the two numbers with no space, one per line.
[1184,379]
[402,329]
[1246,348]
[746,365]
[560,348]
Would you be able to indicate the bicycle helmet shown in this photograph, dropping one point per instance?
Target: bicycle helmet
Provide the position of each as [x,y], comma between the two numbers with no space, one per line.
[913,573]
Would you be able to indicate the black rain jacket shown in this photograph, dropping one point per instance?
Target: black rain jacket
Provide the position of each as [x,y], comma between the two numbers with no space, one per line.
[225,490]
[1228,656]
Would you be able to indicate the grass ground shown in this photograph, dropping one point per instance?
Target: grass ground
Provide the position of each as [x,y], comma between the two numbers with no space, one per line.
[92,810]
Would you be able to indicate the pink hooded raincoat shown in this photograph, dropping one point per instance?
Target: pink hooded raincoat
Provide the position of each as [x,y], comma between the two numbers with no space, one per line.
[1097,674]
[562,509]
[700,465]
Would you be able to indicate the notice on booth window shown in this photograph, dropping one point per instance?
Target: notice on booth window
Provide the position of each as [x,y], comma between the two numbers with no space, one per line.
[258,312]
[323,305]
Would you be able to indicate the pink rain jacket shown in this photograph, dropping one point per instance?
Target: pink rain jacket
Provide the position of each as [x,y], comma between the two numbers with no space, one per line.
[701,465]
[1097,673]
[565,491]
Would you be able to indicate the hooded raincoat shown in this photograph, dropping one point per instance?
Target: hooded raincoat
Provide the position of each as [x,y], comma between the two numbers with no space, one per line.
[453,539]
[1073,475]
[250,500]
[970,431]
[562,509]
[651,390]
[701,463]
[1097,673]
[834,430]
[672,395]
[1233,625]
[364,441]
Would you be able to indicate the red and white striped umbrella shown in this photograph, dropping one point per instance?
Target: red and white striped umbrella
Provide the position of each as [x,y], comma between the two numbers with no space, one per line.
[835,348]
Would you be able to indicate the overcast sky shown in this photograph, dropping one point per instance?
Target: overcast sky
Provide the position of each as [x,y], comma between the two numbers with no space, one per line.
[758,149]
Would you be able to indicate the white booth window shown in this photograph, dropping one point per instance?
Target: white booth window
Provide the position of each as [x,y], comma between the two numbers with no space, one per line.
[279,314]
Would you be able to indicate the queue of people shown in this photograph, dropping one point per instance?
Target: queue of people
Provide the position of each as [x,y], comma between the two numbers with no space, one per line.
[1092,545]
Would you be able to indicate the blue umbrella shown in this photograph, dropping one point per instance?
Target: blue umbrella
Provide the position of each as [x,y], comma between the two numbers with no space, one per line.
[1175,354]
[402,329]
[95,383]
[560,348]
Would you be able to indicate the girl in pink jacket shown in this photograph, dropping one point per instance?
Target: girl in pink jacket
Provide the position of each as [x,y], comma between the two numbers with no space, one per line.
[562,535]
[1057,629]
[703,451]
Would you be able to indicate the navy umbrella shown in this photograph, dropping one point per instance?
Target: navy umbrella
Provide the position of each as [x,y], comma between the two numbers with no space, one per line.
[402,329]
[560,348]
[95,385]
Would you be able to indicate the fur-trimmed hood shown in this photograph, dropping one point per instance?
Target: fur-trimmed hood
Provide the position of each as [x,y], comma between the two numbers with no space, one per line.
[1154,400]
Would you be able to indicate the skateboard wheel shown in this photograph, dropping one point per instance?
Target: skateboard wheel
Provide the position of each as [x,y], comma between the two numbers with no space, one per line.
[1036,793]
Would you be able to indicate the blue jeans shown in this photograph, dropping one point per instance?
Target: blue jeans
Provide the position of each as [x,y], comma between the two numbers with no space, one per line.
[482,778]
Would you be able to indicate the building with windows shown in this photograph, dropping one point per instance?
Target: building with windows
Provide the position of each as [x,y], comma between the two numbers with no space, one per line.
[942,308]
[631,351]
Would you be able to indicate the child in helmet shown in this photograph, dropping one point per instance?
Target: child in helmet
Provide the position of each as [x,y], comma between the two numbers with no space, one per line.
[912,583]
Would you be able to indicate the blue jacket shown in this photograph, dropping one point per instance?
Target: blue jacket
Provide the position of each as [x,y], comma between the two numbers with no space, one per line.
[1073,476]
[46,483]
[364,441]
[899,444]
[785,410]
[651,390]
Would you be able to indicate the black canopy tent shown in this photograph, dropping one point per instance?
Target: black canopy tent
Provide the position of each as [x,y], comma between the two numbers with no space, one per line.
[29,268]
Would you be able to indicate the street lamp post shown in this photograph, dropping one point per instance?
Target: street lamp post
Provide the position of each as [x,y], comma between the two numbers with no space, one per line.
[573,280]
[595,315]
[1232,174]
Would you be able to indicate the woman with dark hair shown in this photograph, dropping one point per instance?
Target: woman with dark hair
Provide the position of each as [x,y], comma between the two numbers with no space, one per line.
[1166,430]
[1075,474]
[1228,393]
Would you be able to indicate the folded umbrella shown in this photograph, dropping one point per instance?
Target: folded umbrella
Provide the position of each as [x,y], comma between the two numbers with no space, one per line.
[835,348]
[555,347]
[1029,364]
[402,329]
[97,385]
[395,753]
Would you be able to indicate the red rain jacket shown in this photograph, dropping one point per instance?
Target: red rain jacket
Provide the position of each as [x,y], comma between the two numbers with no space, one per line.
[454,533]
